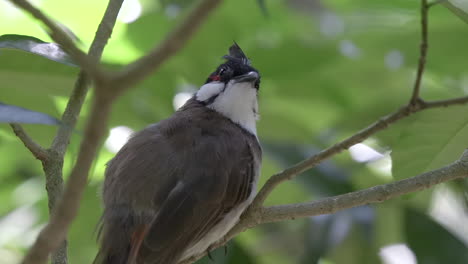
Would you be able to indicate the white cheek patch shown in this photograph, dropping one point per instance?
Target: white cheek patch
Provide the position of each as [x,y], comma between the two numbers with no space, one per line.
[239,103]
[209,90]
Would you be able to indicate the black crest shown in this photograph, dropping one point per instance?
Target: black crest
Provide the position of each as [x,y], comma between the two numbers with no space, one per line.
[236,53]
[236,64]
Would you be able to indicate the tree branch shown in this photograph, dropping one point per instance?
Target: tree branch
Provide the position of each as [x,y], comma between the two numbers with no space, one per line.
[39,152]
[445,103]
[415,104]
[55,231]
[78,95]
[360,136]
[62,38]
[256,214]
[330,205]
[375,194]
[52,235]
[53,167]
[138,70]
[423,53]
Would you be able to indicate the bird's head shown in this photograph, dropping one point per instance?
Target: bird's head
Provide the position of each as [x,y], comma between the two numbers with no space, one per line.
[232,89]
[235,73]
[237,69]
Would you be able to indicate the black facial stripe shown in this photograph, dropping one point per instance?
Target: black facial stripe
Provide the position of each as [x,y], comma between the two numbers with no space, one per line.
[213,98]
[210,100]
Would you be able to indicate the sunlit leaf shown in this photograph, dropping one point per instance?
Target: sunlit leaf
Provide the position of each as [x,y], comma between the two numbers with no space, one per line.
[15,114]
[51,51]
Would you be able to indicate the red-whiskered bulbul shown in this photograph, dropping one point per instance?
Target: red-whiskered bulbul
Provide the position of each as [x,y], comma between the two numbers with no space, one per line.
[181,184]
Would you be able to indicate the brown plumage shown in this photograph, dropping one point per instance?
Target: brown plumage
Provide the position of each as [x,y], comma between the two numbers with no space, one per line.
[172,183]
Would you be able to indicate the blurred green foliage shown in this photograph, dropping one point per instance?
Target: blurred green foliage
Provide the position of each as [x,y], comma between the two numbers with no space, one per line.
[329,68]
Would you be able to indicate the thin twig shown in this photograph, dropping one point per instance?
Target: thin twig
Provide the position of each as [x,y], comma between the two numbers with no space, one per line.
[53,168]
[138,70]
[423,53]
[39,152]
[78,95]
[329,205]
[70,115]
[62,38]
[445,103]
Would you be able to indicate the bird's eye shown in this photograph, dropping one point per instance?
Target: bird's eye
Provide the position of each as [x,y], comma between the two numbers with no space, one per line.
[225,71]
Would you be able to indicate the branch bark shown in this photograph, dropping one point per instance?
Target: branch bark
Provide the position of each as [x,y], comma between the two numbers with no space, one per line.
[54,164]
[70,116]
[53,168]
[55,231]
[38,152]
[422,53]
[446,103]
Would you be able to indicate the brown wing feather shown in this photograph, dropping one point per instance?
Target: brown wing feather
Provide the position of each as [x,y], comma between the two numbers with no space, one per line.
[237,191]
[202,198]
[174,177]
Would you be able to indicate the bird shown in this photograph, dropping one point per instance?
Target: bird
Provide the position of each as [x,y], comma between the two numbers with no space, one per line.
[179,185]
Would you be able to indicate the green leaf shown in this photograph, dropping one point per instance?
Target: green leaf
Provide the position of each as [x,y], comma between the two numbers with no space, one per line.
[325,179]
[15,114]
[431,242]
[51,51]
[326,233]
[434,139]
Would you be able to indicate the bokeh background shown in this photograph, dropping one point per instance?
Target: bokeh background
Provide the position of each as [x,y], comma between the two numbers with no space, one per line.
[329,68]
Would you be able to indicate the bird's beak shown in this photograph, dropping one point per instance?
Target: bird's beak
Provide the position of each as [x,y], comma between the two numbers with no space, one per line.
[248,77]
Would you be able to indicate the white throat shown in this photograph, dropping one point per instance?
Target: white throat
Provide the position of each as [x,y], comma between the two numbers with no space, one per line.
[237,101]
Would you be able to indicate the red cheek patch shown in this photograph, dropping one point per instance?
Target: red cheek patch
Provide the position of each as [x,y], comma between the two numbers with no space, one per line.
[215,78]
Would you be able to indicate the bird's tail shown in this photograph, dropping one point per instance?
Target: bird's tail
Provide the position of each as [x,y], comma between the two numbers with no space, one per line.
[114,247]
